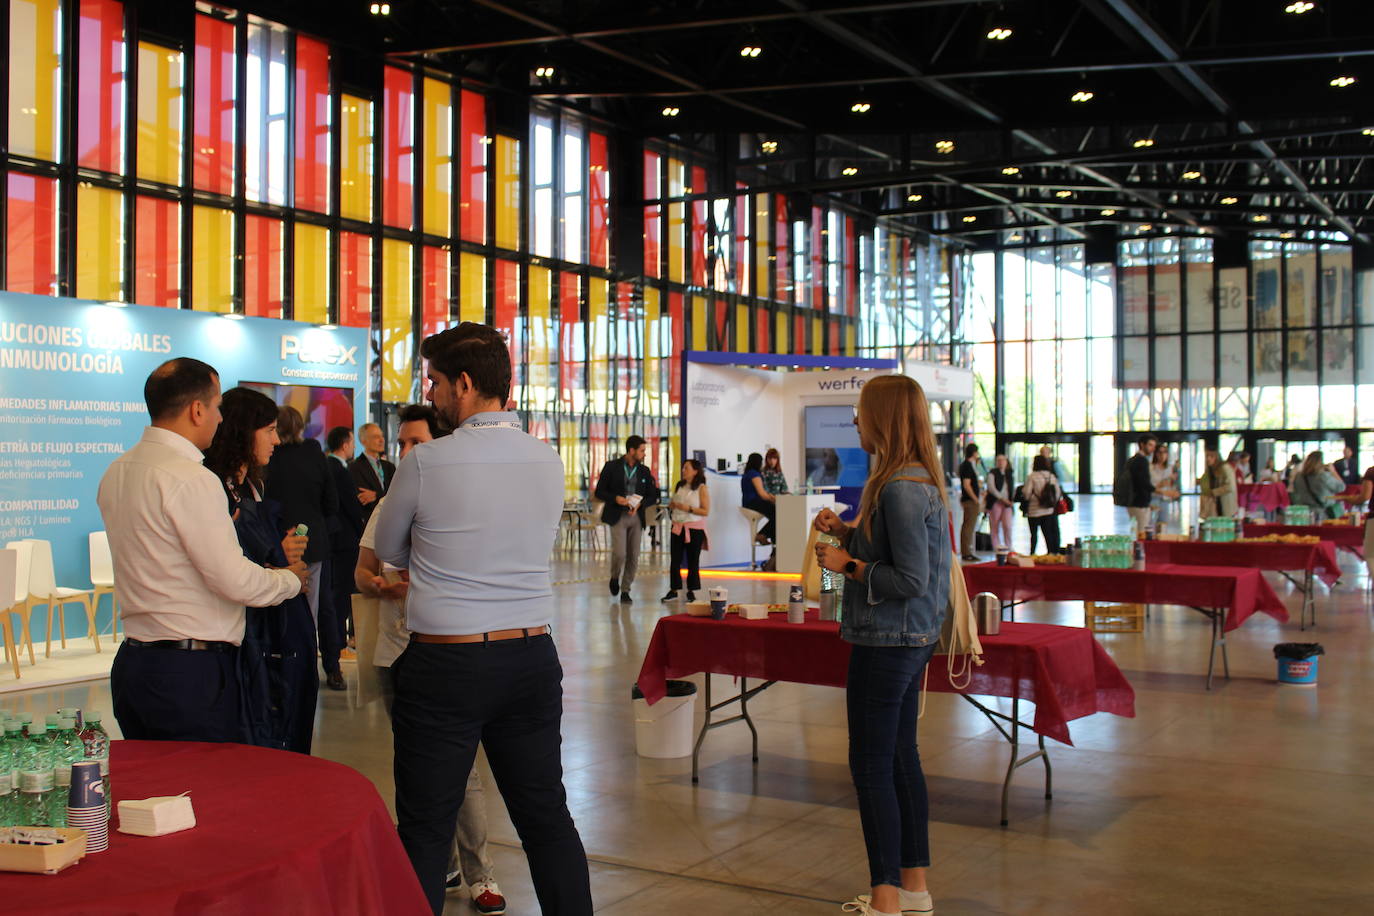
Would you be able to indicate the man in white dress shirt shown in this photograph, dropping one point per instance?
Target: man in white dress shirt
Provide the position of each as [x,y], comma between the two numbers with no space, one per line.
[183,578]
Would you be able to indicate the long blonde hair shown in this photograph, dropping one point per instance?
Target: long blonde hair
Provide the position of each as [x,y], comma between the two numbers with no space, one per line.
[896,423]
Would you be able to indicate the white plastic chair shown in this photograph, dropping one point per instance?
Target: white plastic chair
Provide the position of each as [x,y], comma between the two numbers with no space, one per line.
[9,563]
[754,517]
[18,598]
[102,577]
[43,589]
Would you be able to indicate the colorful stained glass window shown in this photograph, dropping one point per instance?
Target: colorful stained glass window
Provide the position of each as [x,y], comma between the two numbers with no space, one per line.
[310,261]
[157,252]
[262,267]
[398,147]
[35,64]
[472,202]
[355,280]
[355,158]
[437,160]
[265,116]
[99,243]
[212,259]
[159,113]
[312,125]
[31,235]
[100,86]
[212,153]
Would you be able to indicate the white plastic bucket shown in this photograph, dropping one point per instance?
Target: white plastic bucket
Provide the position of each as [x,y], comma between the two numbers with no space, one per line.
[665,729]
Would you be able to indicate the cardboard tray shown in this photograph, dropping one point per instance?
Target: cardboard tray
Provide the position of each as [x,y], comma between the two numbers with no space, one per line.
[45,860]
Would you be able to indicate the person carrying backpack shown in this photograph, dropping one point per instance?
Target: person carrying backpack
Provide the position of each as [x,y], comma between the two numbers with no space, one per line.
[1133,488]
[1041,491]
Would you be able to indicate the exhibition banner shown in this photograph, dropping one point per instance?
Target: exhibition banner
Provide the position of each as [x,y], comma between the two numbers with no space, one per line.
[71,398]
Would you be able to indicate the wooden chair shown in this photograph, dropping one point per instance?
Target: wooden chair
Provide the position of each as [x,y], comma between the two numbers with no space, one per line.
[9,564]
[102,577]
[21,605]
[43,589]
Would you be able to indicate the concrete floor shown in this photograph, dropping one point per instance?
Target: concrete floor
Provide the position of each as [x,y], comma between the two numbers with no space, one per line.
[1250,798]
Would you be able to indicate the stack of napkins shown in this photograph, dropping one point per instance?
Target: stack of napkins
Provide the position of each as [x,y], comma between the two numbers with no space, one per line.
[156,816]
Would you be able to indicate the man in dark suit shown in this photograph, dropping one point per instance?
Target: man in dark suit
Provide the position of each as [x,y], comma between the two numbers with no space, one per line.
[345,528]
[371,471]
[627,488]
[1346,469]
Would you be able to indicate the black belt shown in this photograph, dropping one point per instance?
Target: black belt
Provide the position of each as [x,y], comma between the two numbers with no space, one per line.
[189,645]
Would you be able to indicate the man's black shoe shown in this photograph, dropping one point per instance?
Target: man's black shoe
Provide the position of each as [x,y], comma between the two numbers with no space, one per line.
[615,586]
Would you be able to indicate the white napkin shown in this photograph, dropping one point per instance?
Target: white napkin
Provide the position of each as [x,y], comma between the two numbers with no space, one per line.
[156,816]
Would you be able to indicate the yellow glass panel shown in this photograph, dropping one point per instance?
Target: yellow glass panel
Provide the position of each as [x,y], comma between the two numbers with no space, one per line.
[699,321]
[507,192]
[472,287]
[817,338]
[570,450]
[677,221]
[653,351]
[538,379]
[212,259]
[159,113]
[99,243]
[850,340]
[763,254]
[355,158]
[742,318]
[437,159]
[598,295]
[780,325]
[312,274]
[398,341]
[35,87]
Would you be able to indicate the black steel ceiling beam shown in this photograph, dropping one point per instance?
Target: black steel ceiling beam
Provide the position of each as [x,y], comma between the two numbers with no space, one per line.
[1174,66]
[1120,207]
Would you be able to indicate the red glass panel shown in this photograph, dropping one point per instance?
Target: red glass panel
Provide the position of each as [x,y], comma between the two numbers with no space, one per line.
[100,86]
[507,312]
[472,190]
[834,336]
[262,267]
[355,280]
[312,124]
[744,277]
[213,153]
[799,333]
[698,277]
[653,217]
[157,252]
[722,326]
[817,258]
[398,147]
[782,261]
[438,281]
[571,354]
[598,200]
[763,325]
[677,343]
[31,235]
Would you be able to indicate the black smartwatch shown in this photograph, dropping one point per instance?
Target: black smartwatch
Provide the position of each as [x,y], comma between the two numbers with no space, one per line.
[850,567]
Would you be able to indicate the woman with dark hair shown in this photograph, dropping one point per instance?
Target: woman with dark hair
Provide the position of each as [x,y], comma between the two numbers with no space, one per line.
[755,496]
[1042,493]
[774,480]
[277,657]
[690,505]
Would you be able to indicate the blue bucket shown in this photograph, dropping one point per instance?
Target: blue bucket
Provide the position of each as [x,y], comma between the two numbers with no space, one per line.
[1298,670]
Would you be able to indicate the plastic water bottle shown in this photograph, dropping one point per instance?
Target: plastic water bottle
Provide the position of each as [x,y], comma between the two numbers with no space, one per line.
[67,749]
[35,781]
[7,793]
[71,712]
[14,743]
[97,746]
[830,581]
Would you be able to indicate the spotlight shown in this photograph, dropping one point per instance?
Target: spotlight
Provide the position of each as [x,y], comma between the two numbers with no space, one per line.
[1368,131]
[1145,227]
[671,112]
[849,170]
[1260,218]
[999,34]
[944,146]
[750,51]
[1011,170]
[914,198]
[1014,238]
[1300,7]
[1192,175]
[1108,212]
[860,107]
[1082,95]
[769,146]
[380,9]
[970,219]
[544,73]
[1286,235]
[1143,142]
[1063,194]
[1230,200]
[1342,82]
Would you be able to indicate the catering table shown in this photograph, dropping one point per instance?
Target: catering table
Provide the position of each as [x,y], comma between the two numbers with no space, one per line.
[275,832]
[1226,596]
[1062,670]
[1347,537]
[1270,497]
[1313,560]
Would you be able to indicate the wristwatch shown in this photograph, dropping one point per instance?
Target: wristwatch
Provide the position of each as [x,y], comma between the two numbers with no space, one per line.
[850,567]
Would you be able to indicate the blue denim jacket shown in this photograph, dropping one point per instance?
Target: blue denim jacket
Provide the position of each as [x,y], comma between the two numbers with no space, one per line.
[905,591]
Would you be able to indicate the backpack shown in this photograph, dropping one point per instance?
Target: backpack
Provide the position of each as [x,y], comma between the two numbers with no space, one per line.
[1121,487]
[1050,495]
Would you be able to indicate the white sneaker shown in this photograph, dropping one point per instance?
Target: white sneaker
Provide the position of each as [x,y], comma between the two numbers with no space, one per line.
[864,907]
[918,902]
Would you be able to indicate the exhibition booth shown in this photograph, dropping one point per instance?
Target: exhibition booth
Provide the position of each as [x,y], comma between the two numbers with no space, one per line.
[71,401]
[739,403]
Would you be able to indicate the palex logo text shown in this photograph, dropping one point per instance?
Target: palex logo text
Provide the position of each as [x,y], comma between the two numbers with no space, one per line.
[317,351]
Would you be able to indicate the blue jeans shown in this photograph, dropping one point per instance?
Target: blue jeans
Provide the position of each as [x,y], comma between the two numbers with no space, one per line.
[882,695]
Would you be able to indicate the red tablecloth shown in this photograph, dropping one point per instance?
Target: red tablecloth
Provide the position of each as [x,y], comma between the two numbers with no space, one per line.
[275,832]
[1319,558]
[1347,537]
[1270,497]
[1062,670]
[1241,591]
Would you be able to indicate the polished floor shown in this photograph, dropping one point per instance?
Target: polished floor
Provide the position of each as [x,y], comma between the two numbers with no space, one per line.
[1250,798]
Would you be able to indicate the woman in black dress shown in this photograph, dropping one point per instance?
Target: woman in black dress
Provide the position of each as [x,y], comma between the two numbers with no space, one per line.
[277,657]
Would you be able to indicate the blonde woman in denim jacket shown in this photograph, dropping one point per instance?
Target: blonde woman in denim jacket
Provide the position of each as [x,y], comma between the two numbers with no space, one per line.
[896,562]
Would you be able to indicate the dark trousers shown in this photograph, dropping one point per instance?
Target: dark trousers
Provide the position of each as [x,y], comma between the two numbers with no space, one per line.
[679,549]
[336,607]
[882,697]
[1049,525]
[767,510]
[176,694]
[508,695]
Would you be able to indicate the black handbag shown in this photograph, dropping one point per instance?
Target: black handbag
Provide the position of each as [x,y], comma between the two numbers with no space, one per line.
[982,541]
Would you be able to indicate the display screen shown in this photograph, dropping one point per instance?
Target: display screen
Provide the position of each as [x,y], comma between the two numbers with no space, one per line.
[834,457]
[323,408]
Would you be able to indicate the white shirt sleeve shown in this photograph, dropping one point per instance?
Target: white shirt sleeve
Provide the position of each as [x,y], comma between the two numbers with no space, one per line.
[204,528]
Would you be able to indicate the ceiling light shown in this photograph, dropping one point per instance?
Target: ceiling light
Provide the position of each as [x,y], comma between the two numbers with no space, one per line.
[1368,131]
[1063,194]
[1299,7]
[944,146]
[1285,235]
[914,198]
[1011,170]
[1143,142]
[1108,212]
[1014,238]
[380,9]
[999,34]
[1230,200]
[544,73]
[970,219]
[1082,95]
[671,112]
[849,170]
[1192,175]
[1145,227]
[860,107]
[750,51]
[769,146]
[1341,82]
[233,316]
[1260,218]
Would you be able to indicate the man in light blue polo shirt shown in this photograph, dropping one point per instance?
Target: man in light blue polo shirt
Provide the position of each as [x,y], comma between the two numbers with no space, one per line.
[473,516]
